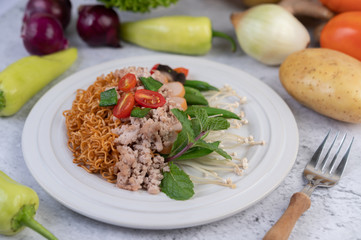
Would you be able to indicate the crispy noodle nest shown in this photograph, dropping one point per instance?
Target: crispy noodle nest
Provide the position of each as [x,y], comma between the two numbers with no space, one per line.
[89,129]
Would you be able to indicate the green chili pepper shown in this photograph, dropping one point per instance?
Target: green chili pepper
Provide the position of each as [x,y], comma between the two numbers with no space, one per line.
[200,85]
[212,111]
[177,34]
[194,96]
[25,77]
[18,205]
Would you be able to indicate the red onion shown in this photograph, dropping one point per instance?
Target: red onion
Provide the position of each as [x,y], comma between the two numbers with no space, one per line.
[98,25]
[43,34]
[60,9]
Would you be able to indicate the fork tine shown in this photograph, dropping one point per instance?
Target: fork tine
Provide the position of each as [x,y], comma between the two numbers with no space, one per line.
[325,159]
[342,165]
[316,155]
[333,163]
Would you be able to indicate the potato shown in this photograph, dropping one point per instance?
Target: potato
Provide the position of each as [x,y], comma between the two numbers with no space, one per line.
[327,81]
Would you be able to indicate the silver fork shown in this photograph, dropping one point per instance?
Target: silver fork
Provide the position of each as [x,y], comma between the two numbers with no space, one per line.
[319,172]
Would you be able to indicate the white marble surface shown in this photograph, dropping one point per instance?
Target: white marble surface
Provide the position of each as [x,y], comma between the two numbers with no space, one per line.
[335,213]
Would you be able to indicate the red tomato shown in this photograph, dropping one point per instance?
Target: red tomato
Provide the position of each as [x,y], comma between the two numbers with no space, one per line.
[342,5]
[149,99]
[127,82]
[182,70]
[124,106]
[155,67]
[343,33]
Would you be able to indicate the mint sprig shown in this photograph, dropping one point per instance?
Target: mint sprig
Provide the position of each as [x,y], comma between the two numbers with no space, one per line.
[194,131]
[176,184]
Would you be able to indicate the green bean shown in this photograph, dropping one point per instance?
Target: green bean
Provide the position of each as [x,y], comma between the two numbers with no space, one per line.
[200,85]
[194,97]
[211,111]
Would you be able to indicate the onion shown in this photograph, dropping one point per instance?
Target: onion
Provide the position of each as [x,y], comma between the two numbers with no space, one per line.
[43,34]
[269,33]
[98,25]
[60,9]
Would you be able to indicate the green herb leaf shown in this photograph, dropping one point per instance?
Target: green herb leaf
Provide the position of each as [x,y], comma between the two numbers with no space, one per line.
[196,152]
[139,112]
[200,85]
[108,98]
[194,96]
[180,143]
[150,83]
[217,123]
[211,111]
[214,148]
[176,184]
[186,135]
[200,122]
[186,124]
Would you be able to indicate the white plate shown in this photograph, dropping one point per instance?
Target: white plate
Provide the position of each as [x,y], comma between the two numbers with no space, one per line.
[44,144]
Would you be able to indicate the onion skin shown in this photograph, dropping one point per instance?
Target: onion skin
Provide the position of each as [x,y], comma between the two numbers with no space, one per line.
[98,25]
[60,9]
[43,34]
[269,33]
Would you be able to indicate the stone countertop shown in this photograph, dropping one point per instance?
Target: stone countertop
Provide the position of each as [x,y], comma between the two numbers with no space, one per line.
[335,213]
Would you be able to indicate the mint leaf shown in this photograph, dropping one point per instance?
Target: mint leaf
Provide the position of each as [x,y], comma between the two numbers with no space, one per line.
[180,143]
[200,120]
[108,98]
[150,83]
[213,147]
[186,124]
[217,123]
[139,112]
[176,184]
[196,152]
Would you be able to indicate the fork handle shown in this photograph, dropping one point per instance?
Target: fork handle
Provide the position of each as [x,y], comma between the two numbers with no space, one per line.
[299,203]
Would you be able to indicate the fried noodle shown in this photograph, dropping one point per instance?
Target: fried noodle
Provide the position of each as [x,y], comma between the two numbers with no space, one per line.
[89,129]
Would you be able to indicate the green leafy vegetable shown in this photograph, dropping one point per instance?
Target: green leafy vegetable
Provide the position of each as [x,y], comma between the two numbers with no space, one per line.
[194,96]
[190,144]
[213,147]
[137,5]
[212,111]
[176,184]
[150,83]
[108,98]
[139,112]
[187,133]
[193,131]
[200,85]
[196,152]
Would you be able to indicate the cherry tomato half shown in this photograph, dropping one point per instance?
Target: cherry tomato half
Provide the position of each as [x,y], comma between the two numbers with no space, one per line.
[343,33]
[182,70]
[124,106]
[155,67]
[149,99]
[127,82]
